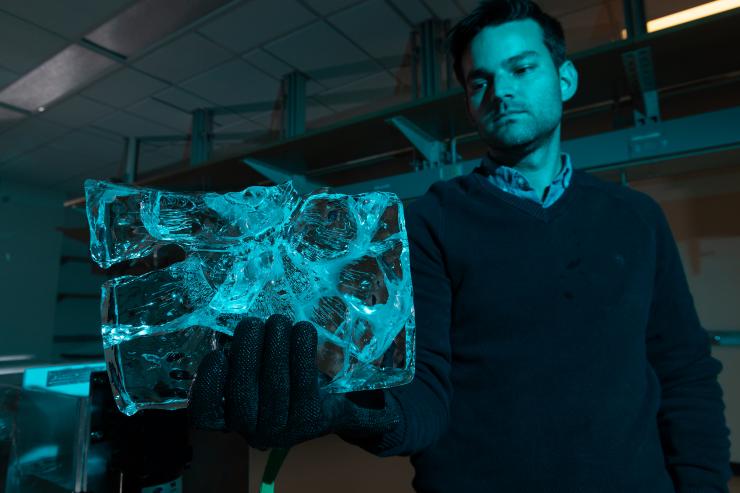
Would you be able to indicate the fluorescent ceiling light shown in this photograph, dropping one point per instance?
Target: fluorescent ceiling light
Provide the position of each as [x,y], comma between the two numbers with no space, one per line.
[16,357]
[148,21]
[67,71]
[692,14]
[688,15]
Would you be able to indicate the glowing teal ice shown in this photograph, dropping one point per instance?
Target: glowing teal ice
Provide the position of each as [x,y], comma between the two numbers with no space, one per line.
[339,261]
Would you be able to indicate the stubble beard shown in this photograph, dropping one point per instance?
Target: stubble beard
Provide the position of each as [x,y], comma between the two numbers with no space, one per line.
[513,146]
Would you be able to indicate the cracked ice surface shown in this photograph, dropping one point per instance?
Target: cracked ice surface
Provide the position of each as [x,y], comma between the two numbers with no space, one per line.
[338,261]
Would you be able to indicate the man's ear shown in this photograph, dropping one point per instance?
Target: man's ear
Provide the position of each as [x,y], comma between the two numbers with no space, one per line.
[568,80]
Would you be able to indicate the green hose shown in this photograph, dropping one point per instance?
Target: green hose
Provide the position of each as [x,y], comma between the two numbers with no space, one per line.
[274,461]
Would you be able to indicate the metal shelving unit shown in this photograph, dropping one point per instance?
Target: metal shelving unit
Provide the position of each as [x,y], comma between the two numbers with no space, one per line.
[630,89]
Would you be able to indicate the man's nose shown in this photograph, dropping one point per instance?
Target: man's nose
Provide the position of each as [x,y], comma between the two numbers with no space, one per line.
[503,88]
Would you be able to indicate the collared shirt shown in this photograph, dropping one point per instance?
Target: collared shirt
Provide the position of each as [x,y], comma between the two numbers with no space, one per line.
[512,181]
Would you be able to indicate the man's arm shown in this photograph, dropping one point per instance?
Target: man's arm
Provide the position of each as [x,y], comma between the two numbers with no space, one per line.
[425,402]
[691,417]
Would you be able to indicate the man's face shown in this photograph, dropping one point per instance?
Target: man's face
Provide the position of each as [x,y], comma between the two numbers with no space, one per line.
[514,91]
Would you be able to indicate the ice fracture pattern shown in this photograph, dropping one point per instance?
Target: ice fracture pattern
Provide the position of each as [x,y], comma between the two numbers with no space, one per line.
[338,261]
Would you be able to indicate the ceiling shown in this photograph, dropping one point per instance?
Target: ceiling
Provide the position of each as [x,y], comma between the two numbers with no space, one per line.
[139,68]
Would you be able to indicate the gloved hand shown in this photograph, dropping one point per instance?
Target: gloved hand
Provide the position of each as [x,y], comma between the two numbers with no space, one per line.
[266,388]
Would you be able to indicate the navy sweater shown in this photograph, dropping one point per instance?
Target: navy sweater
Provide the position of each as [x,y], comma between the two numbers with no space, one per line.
[558,349]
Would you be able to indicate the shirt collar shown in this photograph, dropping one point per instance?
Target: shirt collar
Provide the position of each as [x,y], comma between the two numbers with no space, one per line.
[511,177]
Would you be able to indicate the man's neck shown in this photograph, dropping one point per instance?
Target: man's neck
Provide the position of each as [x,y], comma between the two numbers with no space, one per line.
[539,166]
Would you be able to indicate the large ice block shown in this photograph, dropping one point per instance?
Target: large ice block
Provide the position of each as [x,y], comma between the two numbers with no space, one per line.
[338,261]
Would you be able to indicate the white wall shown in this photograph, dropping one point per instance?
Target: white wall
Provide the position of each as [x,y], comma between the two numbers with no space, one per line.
[29,267]
[77,321]
[702,208]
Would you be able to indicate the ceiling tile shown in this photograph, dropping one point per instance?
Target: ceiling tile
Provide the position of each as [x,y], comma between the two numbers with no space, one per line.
[123,88]
[414,10]
[162,113]
[325,7]
[182,99]
[77,111]
[183,58]
[75,186]
[316,110]
[243,126]
[6,77]
[267,119]
[268,63]
[23,45]
[103,133]
[65,73]
[360,25]
[148,22]
[314,87]
[470,5]
[91,144]
[69,18]
[153,159]
[176,150]
[226,119]
[323,54]
[129,125]
[28,134]
[236,82]
[8,118]
[360,93]
[444,9]
[255,22]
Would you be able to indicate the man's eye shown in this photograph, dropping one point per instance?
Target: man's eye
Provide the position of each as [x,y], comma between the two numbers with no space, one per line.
[524,69]
[477,85]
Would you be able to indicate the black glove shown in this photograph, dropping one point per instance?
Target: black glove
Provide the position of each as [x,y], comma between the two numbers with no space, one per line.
[266,388]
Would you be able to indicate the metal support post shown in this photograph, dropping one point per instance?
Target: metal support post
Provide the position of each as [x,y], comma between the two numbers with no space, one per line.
[634,18]
[294,104]
[450,78]
[638,65]
[430,66]
[131,162]
[201,144]
[415,64]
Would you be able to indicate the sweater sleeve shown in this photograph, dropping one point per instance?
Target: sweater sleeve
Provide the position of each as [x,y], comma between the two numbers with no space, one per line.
[425,401]
[691,418]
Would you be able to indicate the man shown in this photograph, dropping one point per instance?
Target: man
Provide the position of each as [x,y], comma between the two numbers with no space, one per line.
[558,347]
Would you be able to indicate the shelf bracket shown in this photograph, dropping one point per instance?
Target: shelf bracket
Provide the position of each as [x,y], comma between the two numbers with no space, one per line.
[303,185]
[435,152]
[638,65]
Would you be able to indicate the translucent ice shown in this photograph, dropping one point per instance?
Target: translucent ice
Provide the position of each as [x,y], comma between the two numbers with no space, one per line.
[338,261]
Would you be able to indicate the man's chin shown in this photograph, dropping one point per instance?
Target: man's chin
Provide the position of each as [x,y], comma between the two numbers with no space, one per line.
[508,145]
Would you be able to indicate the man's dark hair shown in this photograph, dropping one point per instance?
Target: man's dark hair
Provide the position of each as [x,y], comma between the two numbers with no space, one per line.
[495,12]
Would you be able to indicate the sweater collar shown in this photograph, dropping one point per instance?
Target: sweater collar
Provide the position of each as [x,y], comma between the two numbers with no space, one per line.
[512,181]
